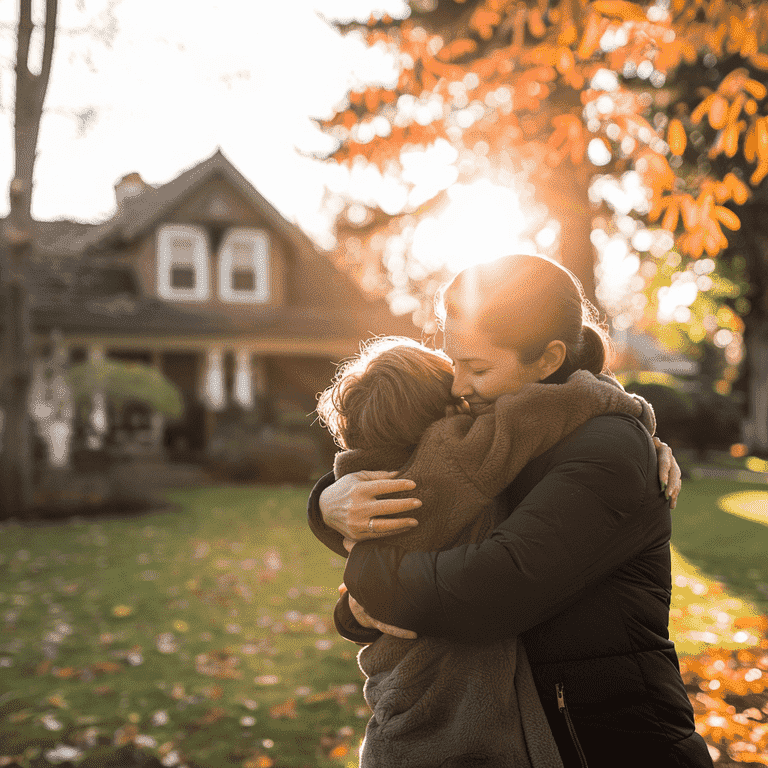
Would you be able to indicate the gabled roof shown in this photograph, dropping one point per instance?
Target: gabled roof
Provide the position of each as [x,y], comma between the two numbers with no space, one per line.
[76,285]
[137,214]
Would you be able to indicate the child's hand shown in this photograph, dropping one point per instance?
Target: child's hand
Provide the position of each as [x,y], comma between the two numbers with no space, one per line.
[457,408]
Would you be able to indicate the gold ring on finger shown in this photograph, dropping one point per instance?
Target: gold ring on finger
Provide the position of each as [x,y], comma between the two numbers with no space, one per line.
[370,525]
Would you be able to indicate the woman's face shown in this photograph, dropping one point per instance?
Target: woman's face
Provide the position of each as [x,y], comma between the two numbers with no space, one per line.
[482,371]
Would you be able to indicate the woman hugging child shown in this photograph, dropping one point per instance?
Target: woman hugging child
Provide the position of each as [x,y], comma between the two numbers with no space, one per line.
[438,702]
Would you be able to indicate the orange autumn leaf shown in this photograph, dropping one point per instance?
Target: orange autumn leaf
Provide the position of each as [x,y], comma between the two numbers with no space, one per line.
[259,761]
[65,672]
[590,40]
[619,9]
[102,667]
[676,137]
[718,111]
[285,710]
[727,217]
[342,750]
[536,23]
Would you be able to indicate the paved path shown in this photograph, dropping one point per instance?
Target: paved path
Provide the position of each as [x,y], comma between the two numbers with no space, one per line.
[721,473]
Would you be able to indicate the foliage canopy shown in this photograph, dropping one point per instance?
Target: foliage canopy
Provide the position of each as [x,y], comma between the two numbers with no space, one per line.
[669,93]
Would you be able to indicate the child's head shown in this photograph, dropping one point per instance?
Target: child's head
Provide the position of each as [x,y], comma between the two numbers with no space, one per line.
[387,395]
[522,303]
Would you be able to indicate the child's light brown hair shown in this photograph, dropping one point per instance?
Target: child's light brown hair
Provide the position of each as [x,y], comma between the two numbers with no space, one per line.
[387,395]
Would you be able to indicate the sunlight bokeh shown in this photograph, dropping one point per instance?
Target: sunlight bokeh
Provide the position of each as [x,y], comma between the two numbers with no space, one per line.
[704,614]
[751,505]
[481,221]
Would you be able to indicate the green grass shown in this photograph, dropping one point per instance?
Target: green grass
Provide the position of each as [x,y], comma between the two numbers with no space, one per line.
[205,630]
[204,634]
[727,548]
[720,571]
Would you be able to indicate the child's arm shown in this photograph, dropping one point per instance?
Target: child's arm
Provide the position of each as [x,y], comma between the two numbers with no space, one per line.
[530,422]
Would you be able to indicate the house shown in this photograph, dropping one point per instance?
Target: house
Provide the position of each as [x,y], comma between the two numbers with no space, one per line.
[203,279]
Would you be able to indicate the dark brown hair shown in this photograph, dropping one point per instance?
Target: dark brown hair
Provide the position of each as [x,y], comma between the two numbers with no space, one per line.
[524,302]
[387,395]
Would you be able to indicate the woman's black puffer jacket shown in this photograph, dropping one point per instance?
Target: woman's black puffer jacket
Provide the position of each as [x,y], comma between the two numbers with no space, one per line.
[581,570]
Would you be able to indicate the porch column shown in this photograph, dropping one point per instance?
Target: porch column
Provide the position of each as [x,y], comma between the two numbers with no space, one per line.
[259,369]
[243,394]
[98,416]
[213,394]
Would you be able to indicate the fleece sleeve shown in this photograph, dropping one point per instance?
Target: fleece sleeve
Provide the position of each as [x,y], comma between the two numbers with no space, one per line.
[580,522]
[332,539]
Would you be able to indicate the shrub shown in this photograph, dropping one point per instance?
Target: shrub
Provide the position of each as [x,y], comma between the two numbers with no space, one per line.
[690,415]
[243,449]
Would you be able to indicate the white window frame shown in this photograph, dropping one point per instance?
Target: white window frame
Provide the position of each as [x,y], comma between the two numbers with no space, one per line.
[258,240]
[200,263]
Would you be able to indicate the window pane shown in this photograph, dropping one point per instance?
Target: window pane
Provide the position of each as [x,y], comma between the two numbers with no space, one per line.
[242,253]
[183,250]
[183,278]
[243,280]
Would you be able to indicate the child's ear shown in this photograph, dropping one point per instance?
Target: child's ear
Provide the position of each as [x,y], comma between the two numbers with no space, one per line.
[553,357]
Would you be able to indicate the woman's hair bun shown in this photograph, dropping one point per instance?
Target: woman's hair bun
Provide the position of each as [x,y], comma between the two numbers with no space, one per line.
[595,349]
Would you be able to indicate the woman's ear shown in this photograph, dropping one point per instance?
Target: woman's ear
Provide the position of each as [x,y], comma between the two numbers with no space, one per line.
[553,357]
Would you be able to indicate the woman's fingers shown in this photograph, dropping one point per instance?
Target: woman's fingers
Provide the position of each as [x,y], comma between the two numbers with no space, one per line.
[664,455]
[349,504]
[674,484]
[386,526]
[669,472]
[389,485]
[370,474]
[368,621]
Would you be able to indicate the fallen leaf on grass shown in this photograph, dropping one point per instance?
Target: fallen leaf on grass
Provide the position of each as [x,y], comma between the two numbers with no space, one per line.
[286,709]
[125,735]
[214,692]
[259,761]
[104,667]
[65,672]
[43,667]
[213,715]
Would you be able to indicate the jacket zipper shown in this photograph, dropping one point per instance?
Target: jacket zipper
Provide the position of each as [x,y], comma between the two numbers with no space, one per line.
[564,709]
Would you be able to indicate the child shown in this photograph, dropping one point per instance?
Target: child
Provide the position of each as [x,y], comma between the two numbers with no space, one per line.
[436,702]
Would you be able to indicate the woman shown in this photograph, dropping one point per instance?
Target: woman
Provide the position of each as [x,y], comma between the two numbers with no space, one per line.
[579,569]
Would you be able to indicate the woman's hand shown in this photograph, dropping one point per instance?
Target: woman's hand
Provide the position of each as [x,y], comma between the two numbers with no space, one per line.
[669,472]
[350,506]
[368,621]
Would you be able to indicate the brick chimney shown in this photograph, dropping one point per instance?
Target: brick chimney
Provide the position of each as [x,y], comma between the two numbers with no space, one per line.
[130,185]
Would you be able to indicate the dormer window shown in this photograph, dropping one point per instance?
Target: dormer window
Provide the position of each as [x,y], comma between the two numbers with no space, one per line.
[182,263]
[244,266]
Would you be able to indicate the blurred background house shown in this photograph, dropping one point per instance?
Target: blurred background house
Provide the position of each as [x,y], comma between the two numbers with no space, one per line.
[204,281]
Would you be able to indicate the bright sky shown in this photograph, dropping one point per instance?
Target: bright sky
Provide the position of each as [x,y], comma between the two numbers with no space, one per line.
[182,78]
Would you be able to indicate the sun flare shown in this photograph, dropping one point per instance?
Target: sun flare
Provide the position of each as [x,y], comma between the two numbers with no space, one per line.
[481,221]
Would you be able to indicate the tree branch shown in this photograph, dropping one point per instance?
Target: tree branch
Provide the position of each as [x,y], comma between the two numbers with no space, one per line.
[23,37]
[51,7]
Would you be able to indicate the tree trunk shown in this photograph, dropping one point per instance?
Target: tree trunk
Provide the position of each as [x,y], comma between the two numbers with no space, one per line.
[756,423]
[16,467]
[565,193]
[752,244]
[16,477]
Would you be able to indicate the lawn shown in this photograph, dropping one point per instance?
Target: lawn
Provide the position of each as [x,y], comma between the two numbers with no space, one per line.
[202,636]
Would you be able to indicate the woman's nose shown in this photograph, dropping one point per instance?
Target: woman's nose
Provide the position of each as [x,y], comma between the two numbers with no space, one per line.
[460,388]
